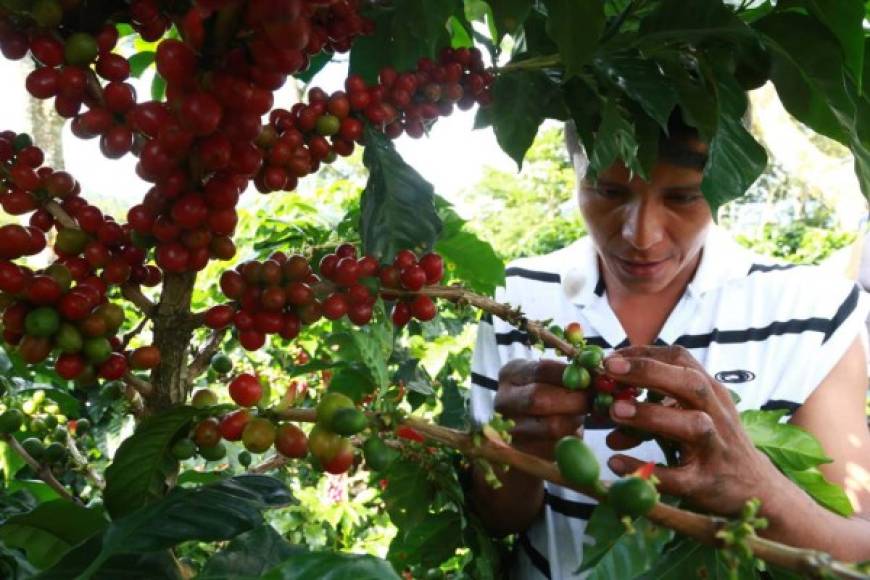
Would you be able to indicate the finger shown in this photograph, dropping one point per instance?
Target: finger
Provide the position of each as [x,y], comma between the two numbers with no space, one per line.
[523,372]
[689,386]
[673,354]
[619,440]
[688,426]
[540,399]
[679,356]
[553,427]
[677,481]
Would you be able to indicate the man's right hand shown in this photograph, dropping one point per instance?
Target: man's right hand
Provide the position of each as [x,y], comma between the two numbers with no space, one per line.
[531,393]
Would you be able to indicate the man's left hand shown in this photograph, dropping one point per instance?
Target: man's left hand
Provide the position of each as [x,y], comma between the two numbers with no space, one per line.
[719,467]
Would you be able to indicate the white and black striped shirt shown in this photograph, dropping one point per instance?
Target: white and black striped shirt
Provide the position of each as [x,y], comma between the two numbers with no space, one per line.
[769,332]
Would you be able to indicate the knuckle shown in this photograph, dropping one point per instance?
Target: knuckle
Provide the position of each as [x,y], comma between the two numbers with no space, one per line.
[698,385]
[557,426]
[678,352]
[510,371]
[702,427]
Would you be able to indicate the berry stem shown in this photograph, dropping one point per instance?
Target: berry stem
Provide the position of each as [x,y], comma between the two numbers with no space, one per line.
[702,528]
[42,471]
[82,464]
[203,357]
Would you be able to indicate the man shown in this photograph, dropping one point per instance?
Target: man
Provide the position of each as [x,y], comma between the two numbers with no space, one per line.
[689,312]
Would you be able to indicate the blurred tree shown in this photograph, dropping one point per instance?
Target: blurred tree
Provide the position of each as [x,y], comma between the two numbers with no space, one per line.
[533,212]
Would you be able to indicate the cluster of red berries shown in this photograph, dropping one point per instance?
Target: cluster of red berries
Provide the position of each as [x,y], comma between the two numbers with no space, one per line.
[297,141]
[97,243]
[50,313]
[280,294]
[256,432]
[197,147]
[409,274]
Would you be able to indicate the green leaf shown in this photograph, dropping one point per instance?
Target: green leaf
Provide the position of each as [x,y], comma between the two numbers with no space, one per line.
[10,462]
[614,141]
[788,446]
[213,512]
[824,492]
[35,487]
[698,101]
[814,89]
[670,22]
[428,543]
[332,566]
[249,555]
[844,18]
[640,79]
[405,31]
[689,559]
[453,414]
[397,205]
[152,566]
[470,259]
[158,88]
[521,100]
[735,159]
[192,477]
[13,564]
[141,61]
[51,529]
[509,15]
[805,74]
[633,554]
[460,36]
[535,40]
[616,553]
[315,65]
[409,493]
[584,105]
[352,382]
[135,477]
[576,28]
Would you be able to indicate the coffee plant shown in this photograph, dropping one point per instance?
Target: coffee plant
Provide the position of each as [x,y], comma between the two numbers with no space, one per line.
[168,405]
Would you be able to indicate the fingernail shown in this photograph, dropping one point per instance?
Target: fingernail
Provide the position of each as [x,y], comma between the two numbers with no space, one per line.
[615,465]
[624,409]
[617,365]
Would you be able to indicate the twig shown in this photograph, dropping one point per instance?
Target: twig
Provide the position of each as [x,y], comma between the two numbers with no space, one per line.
[273,462]
[201,360]
[133,293]
[141,386]
[43,471]
[506,312]
[129,336]
[82,463]
[700,527]
[58,213]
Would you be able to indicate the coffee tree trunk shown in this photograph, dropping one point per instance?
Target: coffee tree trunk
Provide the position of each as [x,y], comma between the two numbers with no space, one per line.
[173,331]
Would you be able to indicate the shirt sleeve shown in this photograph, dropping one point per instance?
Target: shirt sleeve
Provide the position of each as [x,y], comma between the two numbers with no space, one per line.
[485,365]
[845,320]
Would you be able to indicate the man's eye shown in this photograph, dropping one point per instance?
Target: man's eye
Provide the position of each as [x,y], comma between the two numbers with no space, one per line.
[684,198]
[610,192]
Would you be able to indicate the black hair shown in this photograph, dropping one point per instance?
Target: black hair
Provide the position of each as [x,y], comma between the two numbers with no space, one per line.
[675,147]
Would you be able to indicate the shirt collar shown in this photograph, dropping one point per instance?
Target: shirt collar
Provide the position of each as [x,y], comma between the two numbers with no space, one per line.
[722,259]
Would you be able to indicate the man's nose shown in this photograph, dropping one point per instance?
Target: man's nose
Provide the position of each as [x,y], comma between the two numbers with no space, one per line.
[644,223]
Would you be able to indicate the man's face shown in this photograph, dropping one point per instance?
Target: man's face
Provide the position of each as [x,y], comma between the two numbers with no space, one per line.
[648,234]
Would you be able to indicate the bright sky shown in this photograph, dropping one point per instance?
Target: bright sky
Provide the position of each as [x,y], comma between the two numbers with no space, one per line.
[451,158]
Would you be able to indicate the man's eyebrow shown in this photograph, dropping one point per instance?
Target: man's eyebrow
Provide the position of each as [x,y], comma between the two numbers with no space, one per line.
[608,183]
[692,187]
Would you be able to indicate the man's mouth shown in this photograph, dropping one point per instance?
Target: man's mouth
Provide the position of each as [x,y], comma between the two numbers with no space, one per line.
[642,268]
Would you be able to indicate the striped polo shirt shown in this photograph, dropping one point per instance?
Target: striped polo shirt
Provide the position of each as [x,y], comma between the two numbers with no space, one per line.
[770,332]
